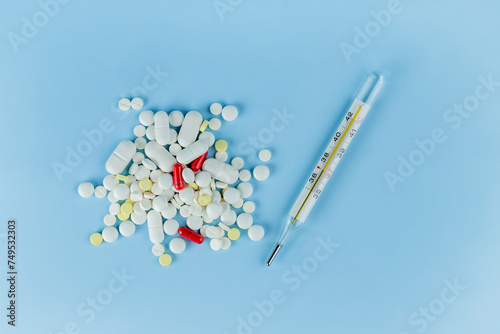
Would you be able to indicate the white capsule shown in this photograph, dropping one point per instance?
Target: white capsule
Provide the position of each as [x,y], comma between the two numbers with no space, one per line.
[190,128]
[121,192]
[228,218]
[140,143]
[158,249]
[176,117]
[120,158]
[221,171]
[170,227]
[151,132]
[249,207]
[265,155]
[188,175]
[203,179]
[155,227]
[127,228]
[231,195]
[174,149]
[237,163]
[244,220]
[193,151]
[214,210]
[140,130]
[229,113]
[124,104]
[194,222]
[147,117]
[215,244]
[256,232]
[208,137]
[261,172]
[215,124]
[177,245]
[215,108]
[166,181]
[245,189]
[162,128]
[160,156]
[86,189]
[137,103]
[110,234]
[109,219]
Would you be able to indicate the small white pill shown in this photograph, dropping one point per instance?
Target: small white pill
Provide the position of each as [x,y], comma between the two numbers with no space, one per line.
[265,155]
[231,195]
[225,207]
[124,104]
[220,232]
[215,108]
[138,157]
[145,204]
[133,168]
[238,204]
[158,249]
[214,124]
[140,143]
[140,130]
[196,209]
[121,192]
[160,156]
[155,227]
[86,189]
[186,195]
[166,181]
[184,211]
[229,113]
[203,231]
[162,128]
[237,163]
[228,218]
[215,244]
[170,212]
[137,103]
[190,128]
[245,189]
[151,132]
[176,117]
[127,228]
[211,232]
[208,137]
[112,198]
[110,234]
[173,137]
[226,243]
[174,149]
[203,179]
[120,157]
[256,232]
[245,175]
[109,219]
[244,220]
[170,227]
[214,210]
[155,175]
[138,218]
[149,164]
[177,245]
[261,172]
[157,190]
[216,197]
[142,173]
[138,208]
[114,208]
[221,156]
[147,117]
[159,204]
[109,182]
[188,175]
[194,222]
[249,207]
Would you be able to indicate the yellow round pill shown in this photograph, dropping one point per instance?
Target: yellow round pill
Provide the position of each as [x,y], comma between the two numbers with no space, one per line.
[221,145]
[233,234]
[165,260]
[123,216]
[126,208]
[96,239]
[145,184]
[204,200]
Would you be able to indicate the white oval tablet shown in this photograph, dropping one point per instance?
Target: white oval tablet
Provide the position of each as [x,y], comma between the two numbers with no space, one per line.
[155,227]
[121,156]
[193,151]
[190,128]
[160,156]
[221,171]
[162,128]
[188,175]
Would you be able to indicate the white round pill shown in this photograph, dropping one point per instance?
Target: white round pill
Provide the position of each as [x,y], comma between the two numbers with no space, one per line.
[109,182]
[265,155]
[138,218]
[158,249]
[184,211]
[203,179]
[194,222]
[221,156]
[173,137]
[245,175]
[151,132]
[216,244]
[237,163]
[216,108]
[229,113]
[177,245]
[145,204]
[138,157]
[159,204]
[155,175]
[166,181]
[188,175]
[231,195]
[110,234]
[226,243]
[203,231]
[208,137]
[225,207]
[245,189]
[140,143]
[134,167]
[170,212]
[147,117]
[156,189]
[176,118]
[174,149]
[114,208]
[238,204]
[140,130]
[127,228]
[228,218]
[86,189]
[256,232]
[214,210]
[214,124]
[109,219]
[261,172]
[137,103]
[124,104]
[112,197]
[100,192]
[186,195]
[211,231]
[249,207]
[171,226]
[244,220]
[121,192]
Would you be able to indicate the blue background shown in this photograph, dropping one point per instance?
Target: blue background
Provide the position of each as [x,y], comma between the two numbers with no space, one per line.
[396,248]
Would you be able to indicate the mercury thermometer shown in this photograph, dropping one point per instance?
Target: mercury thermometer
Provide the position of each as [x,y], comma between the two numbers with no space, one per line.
[330,159]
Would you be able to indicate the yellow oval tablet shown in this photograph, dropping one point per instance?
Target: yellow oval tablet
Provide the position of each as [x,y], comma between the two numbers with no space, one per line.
[123,216]
[145,184]
[204,200]
[221,145]
[165,260]
[96,239]
[126,208]
[233,234]
[204,125]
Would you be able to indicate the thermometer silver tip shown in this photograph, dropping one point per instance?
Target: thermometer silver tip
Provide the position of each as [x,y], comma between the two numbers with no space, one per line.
[273,254]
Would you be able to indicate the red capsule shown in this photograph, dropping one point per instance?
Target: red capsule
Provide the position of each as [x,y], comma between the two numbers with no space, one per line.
[190,235]
[198,162]
[178,180]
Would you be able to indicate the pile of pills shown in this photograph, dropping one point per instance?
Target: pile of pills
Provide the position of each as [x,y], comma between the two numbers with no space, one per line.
[171,171]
